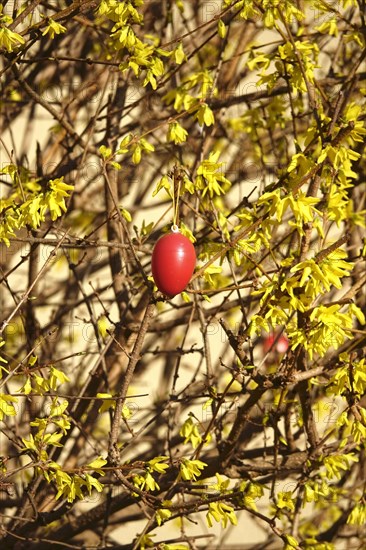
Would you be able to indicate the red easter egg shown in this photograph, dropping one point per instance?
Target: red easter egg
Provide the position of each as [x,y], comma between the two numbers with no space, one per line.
[172,263]
[280,347]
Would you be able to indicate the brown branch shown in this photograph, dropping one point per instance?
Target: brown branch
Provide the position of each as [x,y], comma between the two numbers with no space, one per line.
[32,285]
[29,9]
[113,452]
[69,243]
[46,105]
[234,438]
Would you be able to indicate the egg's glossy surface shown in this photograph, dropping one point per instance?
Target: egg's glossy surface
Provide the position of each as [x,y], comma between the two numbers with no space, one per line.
[172,263]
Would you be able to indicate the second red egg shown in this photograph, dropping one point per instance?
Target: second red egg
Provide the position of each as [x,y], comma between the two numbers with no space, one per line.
[172,263]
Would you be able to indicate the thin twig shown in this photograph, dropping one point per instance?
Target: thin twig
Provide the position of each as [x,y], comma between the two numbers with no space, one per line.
[113,452]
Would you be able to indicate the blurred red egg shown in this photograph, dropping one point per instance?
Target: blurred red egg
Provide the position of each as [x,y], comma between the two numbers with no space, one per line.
[172,263]
[275,343]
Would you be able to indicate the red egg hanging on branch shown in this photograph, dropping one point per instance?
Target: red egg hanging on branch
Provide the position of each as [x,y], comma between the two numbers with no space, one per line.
[173,262]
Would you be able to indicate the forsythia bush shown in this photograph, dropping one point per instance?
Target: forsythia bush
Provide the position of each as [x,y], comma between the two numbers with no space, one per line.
[132,420]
